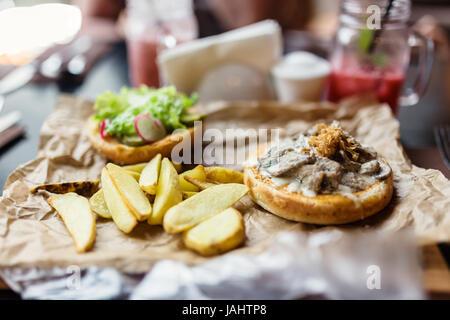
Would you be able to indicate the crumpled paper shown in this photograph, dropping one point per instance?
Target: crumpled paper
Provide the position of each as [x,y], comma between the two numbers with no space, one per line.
[33,236]
[330,264]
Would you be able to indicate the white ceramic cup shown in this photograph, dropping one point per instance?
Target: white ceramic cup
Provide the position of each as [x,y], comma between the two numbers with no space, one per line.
[300,76]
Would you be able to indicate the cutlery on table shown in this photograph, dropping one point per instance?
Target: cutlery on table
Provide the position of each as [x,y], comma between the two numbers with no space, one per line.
[11,134]
[77,64]
[50,67]
[71,58]
[9,120]
[9,129]
[17,78]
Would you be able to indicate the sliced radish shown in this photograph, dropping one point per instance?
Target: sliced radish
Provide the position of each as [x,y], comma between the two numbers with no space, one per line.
[149,128]
[158,123]
[103,126]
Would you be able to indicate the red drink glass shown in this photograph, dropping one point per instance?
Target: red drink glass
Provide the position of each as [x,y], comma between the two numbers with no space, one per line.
[386,85]
[142,55]
[153,26]
[372,53]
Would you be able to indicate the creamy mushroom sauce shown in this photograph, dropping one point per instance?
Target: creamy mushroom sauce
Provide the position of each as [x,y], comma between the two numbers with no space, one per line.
[297,164]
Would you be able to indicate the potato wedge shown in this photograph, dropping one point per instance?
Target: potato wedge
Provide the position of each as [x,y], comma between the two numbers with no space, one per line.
[131,193]
[218,234]
[83,188]
[78,218]
[134,174]
[223,175]
[203,205]
[136,167]
[198,173]
[149,176]
[178,166]
[98,205]
[188,194]
[202,185]
[121,214]
[168,192]
[140,166]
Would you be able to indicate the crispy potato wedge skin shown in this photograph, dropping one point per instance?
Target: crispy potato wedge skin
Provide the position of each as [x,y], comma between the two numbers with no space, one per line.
[149,176]
[218,234]
[198,173]
[168,192]
[78,218]
[223,175]
[83,188]
[140,166]
[188,194]
[202,185]
[130,191]
[203,205]
[98,205]
[121,214]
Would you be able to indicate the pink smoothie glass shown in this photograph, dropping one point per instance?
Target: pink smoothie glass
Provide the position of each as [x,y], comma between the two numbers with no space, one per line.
[153,26]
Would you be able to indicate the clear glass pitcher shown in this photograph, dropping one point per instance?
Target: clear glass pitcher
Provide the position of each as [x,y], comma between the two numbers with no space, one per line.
[372,53]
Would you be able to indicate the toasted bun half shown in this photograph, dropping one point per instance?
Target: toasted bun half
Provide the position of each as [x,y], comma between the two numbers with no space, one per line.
[322,209]
[122,154]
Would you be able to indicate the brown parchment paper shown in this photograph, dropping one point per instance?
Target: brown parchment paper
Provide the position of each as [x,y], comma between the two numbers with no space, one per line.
[32,234]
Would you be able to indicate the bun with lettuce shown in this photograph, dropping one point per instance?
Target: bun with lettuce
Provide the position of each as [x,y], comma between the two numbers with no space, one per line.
[134,125]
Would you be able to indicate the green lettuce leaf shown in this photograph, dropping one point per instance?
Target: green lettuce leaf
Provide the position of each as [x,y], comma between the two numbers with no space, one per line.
[165,104]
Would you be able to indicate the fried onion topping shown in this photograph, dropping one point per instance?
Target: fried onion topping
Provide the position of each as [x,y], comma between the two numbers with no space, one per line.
[328,140]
